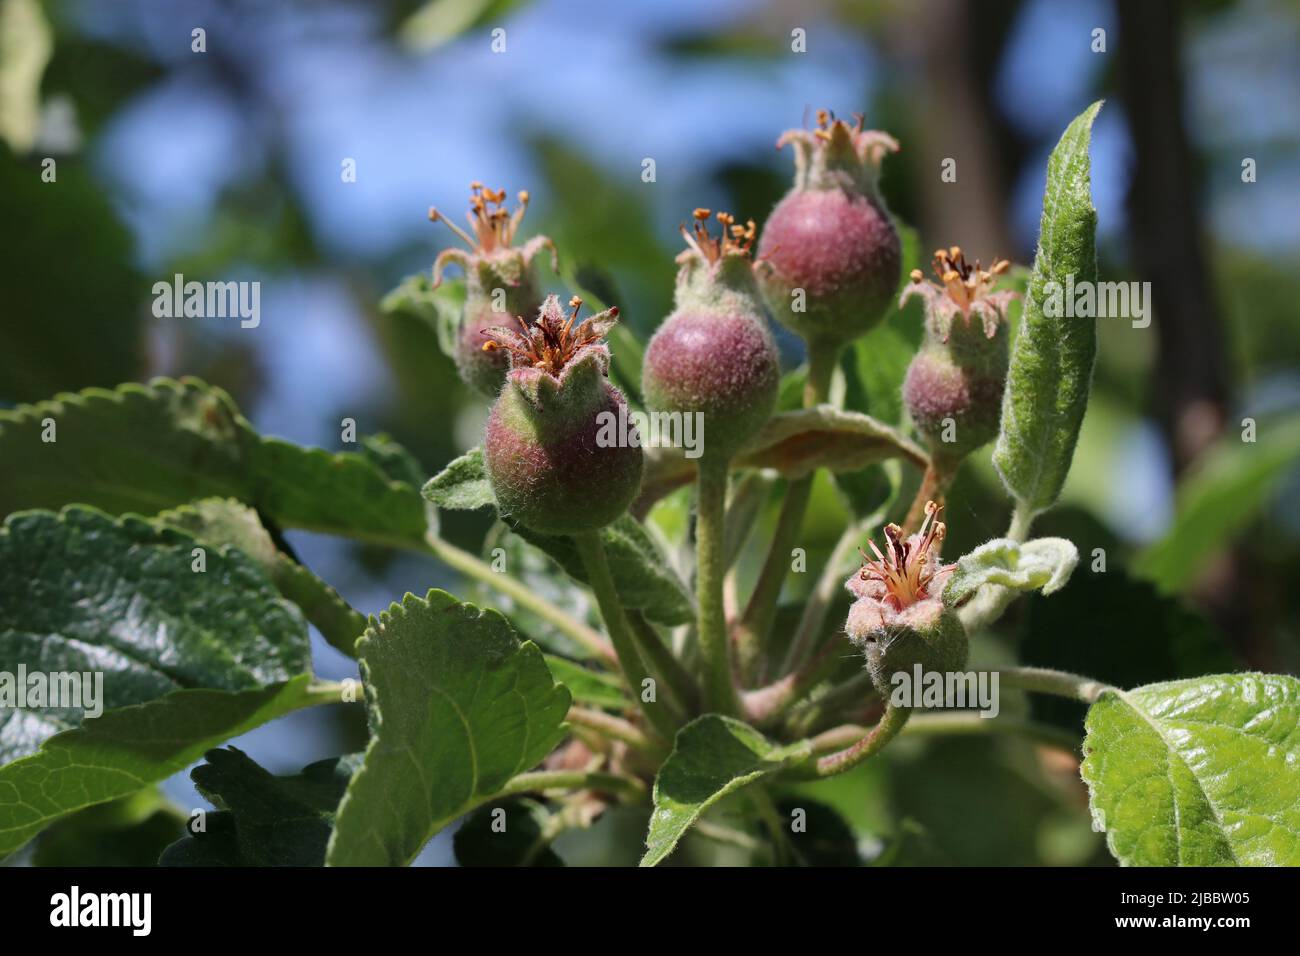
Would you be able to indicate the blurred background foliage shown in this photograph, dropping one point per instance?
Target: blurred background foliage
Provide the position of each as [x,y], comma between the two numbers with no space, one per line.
[225,164]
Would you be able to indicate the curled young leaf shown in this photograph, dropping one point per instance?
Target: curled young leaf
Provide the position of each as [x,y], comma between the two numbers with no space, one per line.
[1053,355]
[1042,564]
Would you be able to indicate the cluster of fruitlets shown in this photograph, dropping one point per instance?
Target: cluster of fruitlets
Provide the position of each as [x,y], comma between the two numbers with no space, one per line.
[826,266]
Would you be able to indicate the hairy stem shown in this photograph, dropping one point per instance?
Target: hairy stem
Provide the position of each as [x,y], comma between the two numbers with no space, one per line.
[710,571]
[755,625]
[671,671]
[472,567]
[592,552]
[867,746]
[616,728]
[1058,683]
[938,476]
[573,780]
[1022,518]
[751,631]
[766,704]
[960,723]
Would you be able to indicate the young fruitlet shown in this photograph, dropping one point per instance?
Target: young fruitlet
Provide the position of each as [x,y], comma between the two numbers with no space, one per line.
[953,389]
[546,464]
[899,618]
[498,280]
[715,354]
[831,237]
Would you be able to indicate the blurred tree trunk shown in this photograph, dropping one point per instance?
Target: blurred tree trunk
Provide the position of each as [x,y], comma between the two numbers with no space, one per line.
[956,47]
[1191,381]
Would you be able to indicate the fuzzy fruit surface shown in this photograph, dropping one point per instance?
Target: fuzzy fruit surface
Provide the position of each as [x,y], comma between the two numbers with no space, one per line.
[485,371]
[928,634]
[962,380]
[715,355]
[723,366]
[839,247]
[545,463]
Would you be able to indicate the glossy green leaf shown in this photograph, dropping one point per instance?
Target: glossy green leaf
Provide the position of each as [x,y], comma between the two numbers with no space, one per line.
[1052,358]
[1200,772]
[132,747]
[82,593]
[457,708]
[146,448]
[713,756]
[1044,564]
[262,819]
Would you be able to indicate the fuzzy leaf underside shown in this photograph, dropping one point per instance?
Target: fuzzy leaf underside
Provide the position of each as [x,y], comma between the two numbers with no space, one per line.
[457,708]
[713,756]
[1044,564]
[81,593]
[147,448]
[1052,358]
[794,443]
[1199,772]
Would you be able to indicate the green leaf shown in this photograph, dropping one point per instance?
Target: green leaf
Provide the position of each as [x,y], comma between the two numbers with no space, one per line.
[145,448]
[799,442]
[439,308]
[1226,491]
[82,593]
[133,747]
[537,571]
[1044,564]
[644,579]
[713,756]
[457,708]
[1052,358]
[1200,772]
[642,576]
[463,485]
[506,833]
[795,444]
[224,521]
[588,686]
[262,819]
[132,831]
